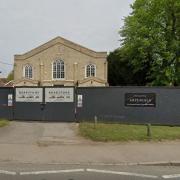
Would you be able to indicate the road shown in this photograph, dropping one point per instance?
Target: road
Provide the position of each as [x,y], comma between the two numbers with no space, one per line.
[54,151]
[88,172]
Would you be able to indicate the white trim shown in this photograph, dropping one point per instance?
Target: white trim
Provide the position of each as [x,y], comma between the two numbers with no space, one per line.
[86,70]
[56,79]
[24,66]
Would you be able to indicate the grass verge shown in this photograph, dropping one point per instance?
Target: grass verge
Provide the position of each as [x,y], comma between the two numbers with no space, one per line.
[3,122]
[121,132]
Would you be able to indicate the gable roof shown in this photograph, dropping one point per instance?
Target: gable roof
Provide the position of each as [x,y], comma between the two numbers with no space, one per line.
[2,81]
[9,84]
[25,80]
[65,42]
[1,84]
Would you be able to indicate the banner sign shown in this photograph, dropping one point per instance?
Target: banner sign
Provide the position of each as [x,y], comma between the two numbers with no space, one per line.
[79,100]
[29,94]
[59,94]
[140,99]
[10,100]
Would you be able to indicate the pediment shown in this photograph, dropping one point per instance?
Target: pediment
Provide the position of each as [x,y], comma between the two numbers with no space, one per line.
[25,82]
[65,42]
[92,79]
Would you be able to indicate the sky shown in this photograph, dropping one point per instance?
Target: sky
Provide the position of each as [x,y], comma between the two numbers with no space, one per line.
[25,25]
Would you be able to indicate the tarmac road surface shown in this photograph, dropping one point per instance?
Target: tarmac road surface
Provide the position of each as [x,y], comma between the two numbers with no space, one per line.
[86,172]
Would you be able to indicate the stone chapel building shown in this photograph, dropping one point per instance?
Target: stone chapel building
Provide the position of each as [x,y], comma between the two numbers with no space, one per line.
[60,62]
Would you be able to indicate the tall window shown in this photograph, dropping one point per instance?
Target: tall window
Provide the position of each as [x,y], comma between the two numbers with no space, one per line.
[28,71]
[58,69]
[90,70]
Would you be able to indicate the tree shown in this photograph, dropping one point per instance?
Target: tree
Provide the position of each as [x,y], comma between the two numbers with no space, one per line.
[10,76]
[151,40]
[120,72]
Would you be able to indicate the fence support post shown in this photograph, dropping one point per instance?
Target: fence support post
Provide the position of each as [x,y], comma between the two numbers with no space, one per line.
[149,134]
[95,121]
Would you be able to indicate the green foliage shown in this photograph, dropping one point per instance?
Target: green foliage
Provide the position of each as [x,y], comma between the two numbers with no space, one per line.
[120,72]
[122,132]
[151,40]
[118,69]
[4,122]
[10,76]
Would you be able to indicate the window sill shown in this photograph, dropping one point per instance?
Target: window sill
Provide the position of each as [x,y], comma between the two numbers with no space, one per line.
[59,79]
[28,78]
[90,77]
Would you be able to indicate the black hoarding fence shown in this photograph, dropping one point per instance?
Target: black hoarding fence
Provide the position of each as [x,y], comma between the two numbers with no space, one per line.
[6,102]
[131,105]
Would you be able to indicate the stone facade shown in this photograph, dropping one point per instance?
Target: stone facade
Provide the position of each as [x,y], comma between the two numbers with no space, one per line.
[75,58]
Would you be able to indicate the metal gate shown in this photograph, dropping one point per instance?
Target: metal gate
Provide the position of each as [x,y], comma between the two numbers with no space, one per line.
[44,103]
[6,102]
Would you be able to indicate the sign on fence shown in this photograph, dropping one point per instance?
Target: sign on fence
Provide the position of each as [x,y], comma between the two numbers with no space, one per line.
[59,94]
[29,94]
[79,100]
[10,99]
[140,99]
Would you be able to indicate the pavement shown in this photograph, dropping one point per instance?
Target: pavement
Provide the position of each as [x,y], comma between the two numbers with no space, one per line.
[59,143]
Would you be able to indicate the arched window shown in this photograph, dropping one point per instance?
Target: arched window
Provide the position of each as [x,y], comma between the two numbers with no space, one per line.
[90,70]
[28,71]
[58,69]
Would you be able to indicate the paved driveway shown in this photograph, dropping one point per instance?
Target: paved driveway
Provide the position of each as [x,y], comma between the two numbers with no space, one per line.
[59,143]
[41,133]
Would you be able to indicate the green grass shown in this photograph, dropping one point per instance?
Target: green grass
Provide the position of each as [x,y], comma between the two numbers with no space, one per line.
[3,122]
[121,132]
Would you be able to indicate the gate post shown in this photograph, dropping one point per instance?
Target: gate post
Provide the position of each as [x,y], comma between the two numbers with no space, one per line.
[75,103]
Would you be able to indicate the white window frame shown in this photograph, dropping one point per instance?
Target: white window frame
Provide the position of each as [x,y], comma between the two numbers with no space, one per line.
[24,71]
[52,64]
[90,64]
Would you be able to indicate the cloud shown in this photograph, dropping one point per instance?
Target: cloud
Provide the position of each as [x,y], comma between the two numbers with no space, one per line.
[27,24]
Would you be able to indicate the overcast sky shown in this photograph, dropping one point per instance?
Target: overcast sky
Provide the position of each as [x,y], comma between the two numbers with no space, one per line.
[26,24]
